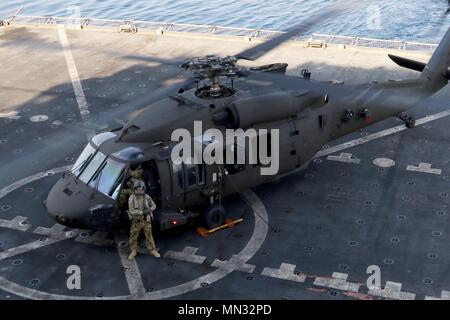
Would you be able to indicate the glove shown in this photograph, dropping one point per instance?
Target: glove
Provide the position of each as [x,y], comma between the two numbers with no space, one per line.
[147,212]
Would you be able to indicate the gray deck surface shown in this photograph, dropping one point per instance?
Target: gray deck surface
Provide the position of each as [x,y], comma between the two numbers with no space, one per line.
[333,217]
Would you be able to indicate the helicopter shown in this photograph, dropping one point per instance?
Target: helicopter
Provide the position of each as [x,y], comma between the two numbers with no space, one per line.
[225,96]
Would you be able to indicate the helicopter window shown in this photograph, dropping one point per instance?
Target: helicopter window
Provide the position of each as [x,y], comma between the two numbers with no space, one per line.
[239,160]
[92,167]
[201,174]
[195,174]
[130,153]
[83,159]
[191,172]
[116,192]
[108,178]
[178,171]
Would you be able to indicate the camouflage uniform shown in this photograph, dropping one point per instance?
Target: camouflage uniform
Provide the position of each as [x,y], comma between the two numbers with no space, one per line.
[140,211]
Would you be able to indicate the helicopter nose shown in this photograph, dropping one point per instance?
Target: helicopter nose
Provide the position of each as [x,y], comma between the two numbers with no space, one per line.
[66,205]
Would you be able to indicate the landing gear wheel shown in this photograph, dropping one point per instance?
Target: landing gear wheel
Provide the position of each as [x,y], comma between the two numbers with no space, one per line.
[410,122]
[213,216]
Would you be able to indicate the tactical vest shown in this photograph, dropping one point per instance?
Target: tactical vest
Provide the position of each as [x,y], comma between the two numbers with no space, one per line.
[139,205]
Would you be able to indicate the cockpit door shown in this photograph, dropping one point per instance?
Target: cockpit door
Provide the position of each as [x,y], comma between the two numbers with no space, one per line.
[195,181]
[171,188]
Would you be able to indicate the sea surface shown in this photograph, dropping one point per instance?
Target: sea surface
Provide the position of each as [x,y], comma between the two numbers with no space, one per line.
[414,20]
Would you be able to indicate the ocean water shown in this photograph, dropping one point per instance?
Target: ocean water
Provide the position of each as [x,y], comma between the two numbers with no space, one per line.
[414,20]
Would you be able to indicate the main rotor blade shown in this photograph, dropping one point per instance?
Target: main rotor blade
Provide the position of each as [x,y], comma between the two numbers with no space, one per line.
[123,112]
[64,140]
[306,26]
[138,57]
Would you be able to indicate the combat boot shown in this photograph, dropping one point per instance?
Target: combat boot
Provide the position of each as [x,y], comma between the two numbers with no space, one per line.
[154,253]
[132,255]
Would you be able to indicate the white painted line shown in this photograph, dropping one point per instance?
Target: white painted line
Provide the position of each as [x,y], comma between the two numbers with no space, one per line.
[345,157]
[98,238]
[35,245]
[384,162]
[188,254]
[131,269]
[285,272]
[18,289]
[74,77]
[57,232]
[15,224]
[425,168]
[235,263]
[27,180]
[445,295]
[30,293]
[10,115]
[337,281]
[27,247]
[257,239]
[392,291]
[378,135]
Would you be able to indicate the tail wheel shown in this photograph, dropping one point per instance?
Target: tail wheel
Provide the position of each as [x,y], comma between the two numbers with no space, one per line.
[410,122]
[214,216]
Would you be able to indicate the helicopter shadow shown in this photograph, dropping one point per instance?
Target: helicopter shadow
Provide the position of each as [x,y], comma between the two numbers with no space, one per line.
[25,38]
[31,145]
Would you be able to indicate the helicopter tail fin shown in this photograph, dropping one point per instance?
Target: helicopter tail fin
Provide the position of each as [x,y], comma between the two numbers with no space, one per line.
[437,69]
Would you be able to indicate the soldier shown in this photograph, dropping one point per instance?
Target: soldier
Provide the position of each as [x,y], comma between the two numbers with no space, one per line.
[140,212]
[135,173]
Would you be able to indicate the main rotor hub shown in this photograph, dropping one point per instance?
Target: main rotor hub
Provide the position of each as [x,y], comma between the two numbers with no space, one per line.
[212,66]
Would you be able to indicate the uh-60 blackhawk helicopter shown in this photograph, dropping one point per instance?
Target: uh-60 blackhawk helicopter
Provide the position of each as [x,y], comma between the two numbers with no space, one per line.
[222,95]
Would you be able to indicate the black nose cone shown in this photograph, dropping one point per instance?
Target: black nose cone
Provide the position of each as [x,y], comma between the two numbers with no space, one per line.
[74,204]
[67,204]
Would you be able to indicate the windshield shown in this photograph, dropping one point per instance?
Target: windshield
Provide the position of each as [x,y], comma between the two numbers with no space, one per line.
[130,153]
[107,179]
[92,167]
[83,159]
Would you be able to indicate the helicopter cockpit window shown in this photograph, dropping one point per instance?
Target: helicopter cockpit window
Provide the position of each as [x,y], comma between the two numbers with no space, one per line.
[130,153]
[108,178]
[195,174]
[83,159]
[92,167]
